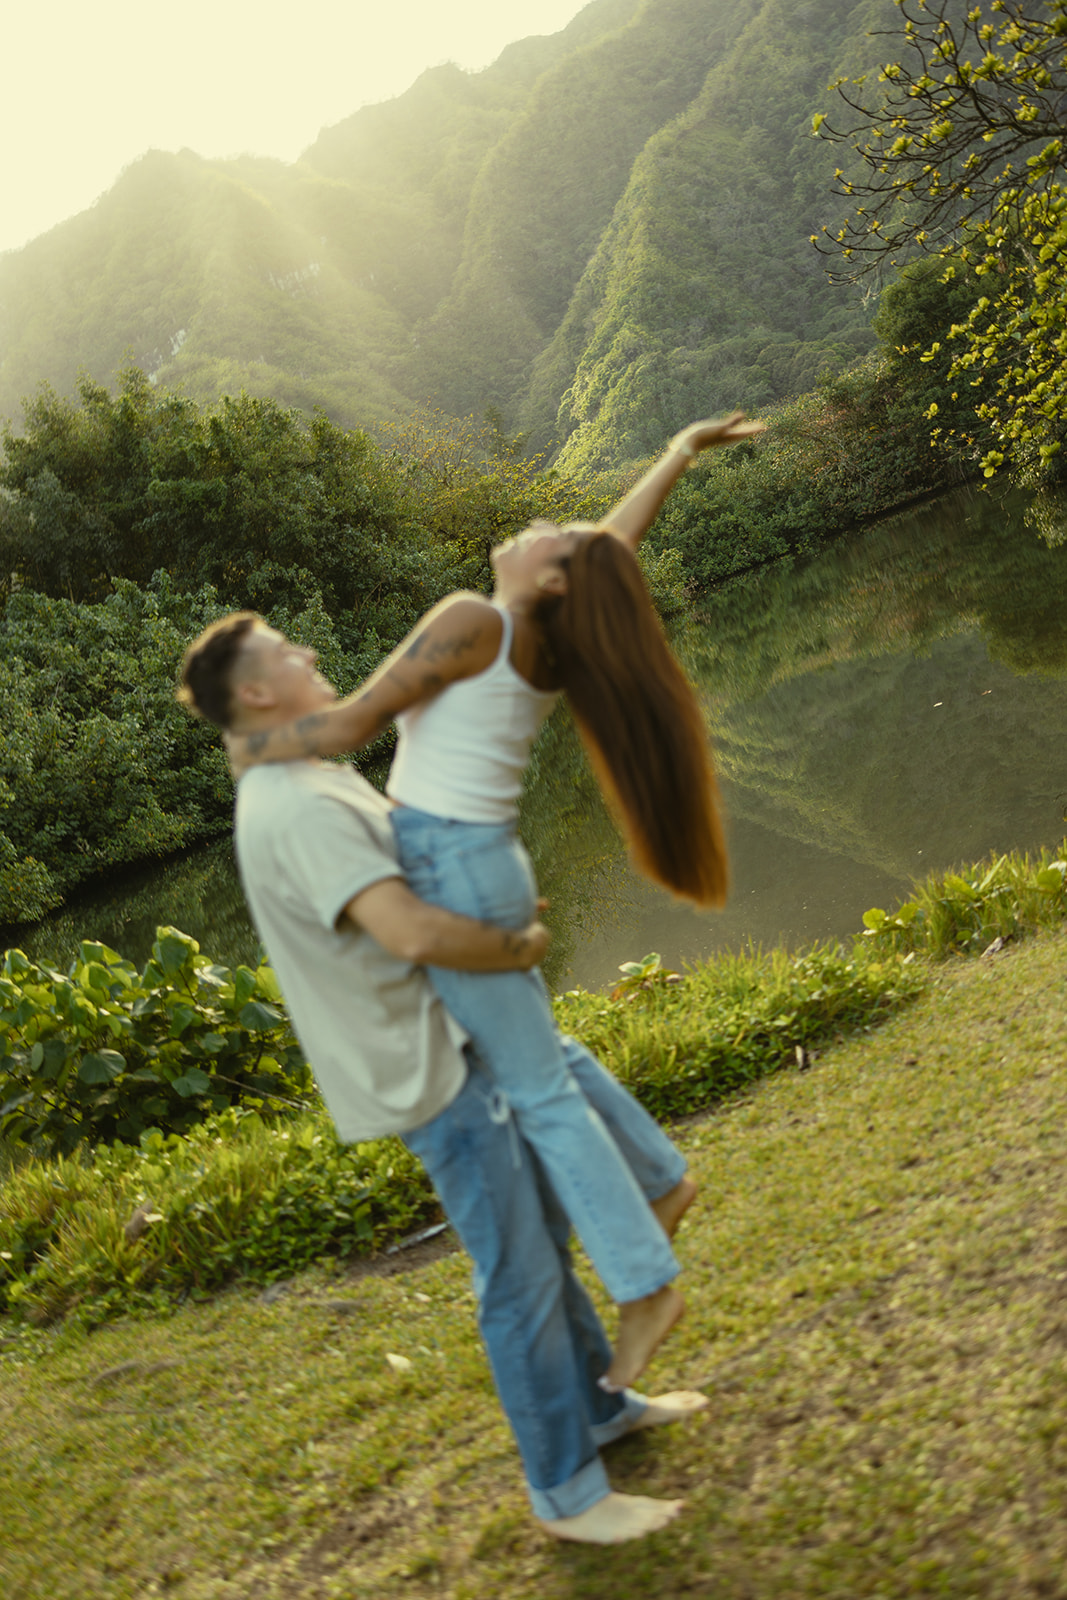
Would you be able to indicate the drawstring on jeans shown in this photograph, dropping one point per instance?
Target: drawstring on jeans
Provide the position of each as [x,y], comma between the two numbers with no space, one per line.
[499,1107]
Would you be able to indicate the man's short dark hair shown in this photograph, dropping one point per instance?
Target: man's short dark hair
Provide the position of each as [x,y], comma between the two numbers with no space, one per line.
[207,667]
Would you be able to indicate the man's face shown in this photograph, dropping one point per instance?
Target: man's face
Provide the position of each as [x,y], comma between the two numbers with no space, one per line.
[276,675]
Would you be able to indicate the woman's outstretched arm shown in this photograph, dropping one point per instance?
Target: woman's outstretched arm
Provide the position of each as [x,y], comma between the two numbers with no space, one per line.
[457,639]
[635,513]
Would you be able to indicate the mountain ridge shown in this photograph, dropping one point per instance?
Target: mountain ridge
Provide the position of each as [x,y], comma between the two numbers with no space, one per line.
[600,234]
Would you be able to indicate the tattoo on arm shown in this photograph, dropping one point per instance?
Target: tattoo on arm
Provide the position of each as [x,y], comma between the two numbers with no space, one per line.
[431,649]
[429,683]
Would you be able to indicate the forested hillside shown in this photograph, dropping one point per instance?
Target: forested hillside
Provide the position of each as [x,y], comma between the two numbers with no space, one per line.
[602,233]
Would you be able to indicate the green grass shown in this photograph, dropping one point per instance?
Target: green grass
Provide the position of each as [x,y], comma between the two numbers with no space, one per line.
[875,1282]
[239,1196]
[236,1196]
[243,1197]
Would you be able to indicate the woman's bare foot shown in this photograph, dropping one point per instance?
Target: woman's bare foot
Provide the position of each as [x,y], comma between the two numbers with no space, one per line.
[671,1207]
[615,1519]
[642,1325]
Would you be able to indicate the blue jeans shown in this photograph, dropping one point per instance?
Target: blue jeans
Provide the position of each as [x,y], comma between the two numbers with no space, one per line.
[483,871]
[544,1340]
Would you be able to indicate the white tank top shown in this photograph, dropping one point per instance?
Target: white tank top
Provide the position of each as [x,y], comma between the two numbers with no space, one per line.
[462,754]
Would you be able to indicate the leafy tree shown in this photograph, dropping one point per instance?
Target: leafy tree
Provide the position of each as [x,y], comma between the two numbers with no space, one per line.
[962,155]
[467,486]
[247,496]
[99,766]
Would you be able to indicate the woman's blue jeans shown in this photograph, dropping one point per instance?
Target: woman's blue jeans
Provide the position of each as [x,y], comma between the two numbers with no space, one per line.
[563,1101]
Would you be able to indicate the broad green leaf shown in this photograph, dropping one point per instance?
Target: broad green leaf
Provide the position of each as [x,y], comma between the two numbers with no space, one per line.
[257,1015]
[173,951]
[56,1051]
[192,1082]
[268,983]
[101,1066]
[180,1018]
[89,950]
[244,984]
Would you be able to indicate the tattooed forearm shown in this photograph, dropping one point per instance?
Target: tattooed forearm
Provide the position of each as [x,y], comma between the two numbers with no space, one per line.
[432,649]
[423,686]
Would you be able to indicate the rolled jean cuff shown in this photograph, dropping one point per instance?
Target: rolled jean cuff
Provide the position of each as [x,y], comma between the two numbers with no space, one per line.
[633,1406]
[679,1171]
[588,1485]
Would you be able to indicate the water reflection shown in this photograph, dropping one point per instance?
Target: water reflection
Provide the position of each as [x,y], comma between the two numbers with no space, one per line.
[890,707]
[198,893]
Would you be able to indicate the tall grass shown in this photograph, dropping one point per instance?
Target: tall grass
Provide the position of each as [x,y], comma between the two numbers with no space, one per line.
[132,1226]
[1004,897]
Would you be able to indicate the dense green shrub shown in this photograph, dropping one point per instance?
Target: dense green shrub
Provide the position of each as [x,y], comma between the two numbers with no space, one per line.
[235,1196]
[106,1053]
[238,1194]
[969,910]
[681,1046]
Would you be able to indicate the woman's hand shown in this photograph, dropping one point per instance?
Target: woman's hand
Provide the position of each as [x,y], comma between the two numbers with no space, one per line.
[720,431]
[635,513]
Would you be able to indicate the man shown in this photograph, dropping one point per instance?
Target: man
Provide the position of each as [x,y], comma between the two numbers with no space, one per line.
[345,935]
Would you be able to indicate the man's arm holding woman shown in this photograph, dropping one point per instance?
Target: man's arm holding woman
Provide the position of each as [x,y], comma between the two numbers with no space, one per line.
[428,935]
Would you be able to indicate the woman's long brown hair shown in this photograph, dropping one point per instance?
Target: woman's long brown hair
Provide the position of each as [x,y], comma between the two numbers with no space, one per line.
[639,718]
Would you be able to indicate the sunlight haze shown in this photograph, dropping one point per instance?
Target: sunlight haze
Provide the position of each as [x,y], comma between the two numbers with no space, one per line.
[89,89]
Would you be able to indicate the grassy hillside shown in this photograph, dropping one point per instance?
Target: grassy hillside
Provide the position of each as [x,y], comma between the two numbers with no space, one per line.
[874,1282]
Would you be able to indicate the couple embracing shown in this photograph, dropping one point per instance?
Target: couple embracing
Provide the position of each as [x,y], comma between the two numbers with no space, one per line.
[404,934]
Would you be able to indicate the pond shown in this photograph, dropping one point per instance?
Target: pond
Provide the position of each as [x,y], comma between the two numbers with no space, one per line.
[892,706]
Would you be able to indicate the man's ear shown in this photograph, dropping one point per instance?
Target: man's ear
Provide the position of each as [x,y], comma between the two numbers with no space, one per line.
[254,694]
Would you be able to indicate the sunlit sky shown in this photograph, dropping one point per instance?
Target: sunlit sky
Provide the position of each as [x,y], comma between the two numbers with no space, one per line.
[89,87]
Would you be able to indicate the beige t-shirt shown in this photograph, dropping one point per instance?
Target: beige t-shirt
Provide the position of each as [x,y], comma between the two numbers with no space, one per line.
[386,1054]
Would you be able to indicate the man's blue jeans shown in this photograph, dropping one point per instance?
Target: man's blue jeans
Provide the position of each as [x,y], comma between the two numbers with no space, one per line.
[483,871]
[544,1340]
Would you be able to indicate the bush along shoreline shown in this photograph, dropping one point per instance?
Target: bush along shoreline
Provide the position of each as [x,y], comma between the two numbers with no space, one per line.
[105,1213]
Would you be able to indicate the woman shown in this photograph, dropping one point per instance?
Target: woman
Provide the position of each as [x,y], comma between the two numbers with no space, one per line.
[470,688]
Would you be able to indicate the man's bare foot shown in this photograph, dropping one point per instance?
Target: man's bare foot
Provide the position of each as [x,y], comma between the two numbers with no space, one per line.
[615,1519]
[642,1324]
[673,1407]
[671,1207]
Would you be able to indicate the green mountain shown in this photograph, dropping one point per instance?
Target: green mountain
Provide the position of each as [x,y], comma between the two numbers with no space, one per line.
[595,238]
